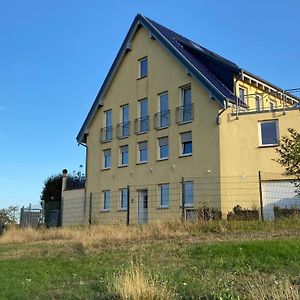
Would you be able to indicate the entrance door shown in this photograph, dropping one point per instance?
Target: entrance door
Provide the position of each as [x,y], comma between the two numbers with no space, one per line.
[142,206]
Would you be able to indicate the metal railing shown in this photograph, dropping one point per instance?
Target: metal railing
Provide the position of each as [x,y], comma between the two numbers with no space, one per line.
[123,130]
[185,113]
[106,134]
[162,119]
[141,125]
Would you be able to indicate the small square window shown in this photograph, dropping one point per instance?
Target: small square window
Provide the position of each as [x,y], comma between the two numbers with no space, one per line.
[143,152]
[163,144]
[186,143]
[143,67]
[269,135]
[106,200]
[124,155]
[107,159]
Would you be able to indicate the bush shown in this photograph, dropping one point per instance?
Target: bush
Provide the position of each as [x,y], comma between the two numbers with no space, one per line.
[281,213]
[243,214]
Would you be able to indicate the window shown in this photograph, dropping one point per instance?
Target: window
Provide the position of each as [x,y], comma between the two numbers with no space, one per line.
[273,105]
[123,127]
[142,123]
[106,200]
[186,143]
[163,144]
[163,120]
[243,95]
[164,195]
[143,152]
[269,134]
[123,198]
[107,130]
[186,100]
[188,193]
[107,159]
[143,67]
[258,102]
[124,155]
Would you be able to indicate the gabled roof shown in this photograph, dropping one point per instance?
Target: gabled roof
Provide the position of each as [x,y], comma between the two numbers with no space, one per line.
[212,71]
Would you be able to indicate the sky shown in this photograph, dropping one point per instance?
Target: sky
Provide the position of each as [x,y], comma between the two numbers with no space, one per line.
[55,54]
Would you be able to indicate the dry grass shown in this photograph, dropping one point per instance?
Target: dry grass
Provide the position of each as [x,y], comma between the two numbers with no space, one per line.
[90,238]
[137,284]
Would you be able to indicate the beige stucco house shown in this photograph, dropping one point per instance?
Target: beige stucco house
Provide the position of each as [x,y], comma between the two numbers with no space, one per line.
[172,119]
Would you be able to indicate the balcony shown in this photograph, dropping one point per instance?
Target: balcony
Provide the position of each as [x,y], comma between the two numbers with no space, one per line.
[123,130]
[162,119]
[185,114]
[141,125]
[106,134]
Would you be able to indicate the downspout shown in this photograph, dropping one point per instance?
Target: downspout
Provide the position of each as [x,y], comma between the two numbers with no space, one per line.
[218,118]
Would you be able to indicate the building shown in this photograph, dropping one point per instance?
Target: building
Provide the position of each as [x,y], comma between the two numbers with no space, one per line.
[171,118]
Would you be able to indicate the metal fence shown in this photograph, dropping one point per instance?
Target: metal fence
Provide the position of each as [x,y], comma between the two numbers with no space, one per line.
[239,197]
[31,216]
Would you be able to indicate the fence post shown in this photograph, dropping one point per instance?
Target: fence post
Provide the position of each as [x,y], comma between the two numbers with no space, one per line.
[182,198]
[22,217]
[128,206]
[260,197]
[90,208]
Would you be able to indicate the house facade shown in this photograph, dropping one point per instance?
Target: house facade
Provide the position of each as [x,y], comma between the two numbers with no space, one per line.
[171,115]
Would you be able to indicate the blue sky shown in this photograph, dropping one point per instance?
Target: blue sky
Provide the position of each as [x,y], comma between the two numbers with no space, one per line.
[54,55]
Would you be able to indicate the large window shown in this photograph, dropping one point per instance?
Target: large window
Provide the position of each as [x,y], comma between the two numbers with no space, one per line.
[269,133]
[164,195]
[143,152]
[107,159]
[124,155]
[188,193]
[143,67]
[186,143]
[106,200]
[186,99]
[163,117]
[163,147]
[123,198]
[107,130]
[243,95]
[124,126]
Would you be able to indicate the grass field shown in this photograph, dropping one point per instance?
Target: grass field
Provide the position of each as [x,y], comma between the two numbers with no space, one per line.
[174,261]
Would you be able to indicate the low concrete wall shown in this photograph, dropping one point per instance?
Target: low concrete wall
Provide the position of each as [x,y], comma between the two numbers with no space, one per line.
[73,210]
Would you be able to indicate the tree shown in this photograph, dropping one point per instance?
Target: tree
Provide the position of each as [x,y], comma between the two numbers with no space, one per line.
[7,216]
[289,155]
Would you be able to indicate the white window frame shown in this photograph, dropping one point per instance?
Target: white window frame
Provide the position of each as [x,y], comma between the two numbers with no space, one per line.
[140,75]
[121,198]
[106,205]
[120,159]
[260,133]
[159,148]
[103,164]
[160,195]
[182,144]
[139,153]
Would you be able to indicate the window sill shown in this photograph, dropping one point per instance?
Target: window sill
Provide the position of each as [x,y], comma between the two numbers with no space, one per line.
[268,146]
[104,210]
[105,142]
[162,159]
[122,166]
[105,169]
[186,155]
[163,207]
[123,137]
[161,128]
[142,132]
[142,77]
[142,162]
[122,210]
[185,122]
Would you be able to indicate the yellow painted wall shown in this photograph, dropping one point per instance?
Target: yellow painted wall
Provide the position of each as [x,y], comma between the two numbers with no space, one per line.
[164,74]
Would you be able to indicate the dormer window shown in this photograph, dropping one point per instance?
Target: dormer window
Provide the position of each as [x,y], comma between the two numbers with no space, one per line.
[143,67]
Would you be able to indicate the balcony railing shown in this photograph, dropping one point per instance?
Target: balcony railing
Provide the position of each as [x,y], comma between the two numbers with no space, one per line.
[162,119]
[123,130]
[106,134]
[185,113]
[141,125]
